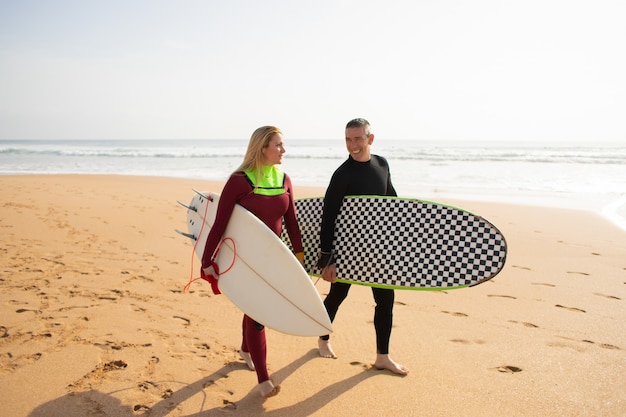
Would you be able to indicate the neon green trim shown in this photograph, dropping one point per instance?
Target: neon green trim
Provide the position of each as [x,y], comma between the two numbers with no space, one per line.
[271,183]
[395,287]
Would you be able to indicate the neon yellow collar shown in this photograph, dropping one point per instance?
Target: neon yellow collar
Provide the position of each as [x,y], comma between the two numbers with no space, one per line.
[272,181]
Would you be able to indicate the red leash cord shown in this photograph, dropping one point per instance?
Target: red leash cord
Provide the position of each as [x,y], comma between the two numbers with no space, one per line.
[209,278]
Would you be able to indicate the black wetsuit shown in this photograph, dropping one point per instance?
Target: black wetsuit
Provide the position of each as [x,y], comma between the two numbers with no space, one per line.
[358,178]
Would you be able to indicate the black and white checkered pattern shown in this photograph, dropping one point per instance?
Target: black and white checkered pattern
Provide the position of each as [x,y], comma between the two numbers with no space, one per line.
[404,243]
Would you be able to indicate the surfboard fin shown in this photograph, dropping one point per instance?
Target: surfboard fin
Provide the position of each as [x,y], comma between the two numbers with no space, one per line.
[189,235]
[187,207]
[199,193]
[202,195]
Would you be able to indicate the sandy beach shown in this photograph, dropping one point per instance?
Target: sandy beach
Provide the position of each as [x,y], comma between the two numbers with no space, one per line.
[94,320]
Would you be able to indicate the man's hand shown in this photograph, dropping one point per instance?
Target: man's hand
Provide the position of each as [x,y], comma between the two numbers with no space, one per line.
[330,273]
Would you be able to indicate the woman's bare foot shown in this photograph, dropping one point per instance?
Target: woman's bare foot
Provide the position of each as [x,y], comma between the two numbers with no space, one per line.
[246,357]
[385,362]
[268,389]
[326,351]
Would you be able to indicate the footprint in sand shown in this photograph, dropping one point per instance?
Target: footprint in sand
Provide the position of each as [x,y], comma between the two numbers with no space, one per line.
[360,364]
[143,278]
[544,284]
[508,369]
[468,342]
[502,296]
[578,310]
[137,308]
[607,346]
[578,273]
[603,345]
[140,407]
[570,343]
[204,346]
[34,357]
[526,324]
[24,310]
[147,385]
[612,297]
[455,314]
[186,320]
[525,268]
[229,405]
[98,373]
[590,342]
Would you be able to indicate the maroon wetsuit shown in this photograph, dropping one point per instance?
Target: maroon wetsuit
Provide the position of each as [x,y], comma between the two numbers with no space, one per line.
[270,210]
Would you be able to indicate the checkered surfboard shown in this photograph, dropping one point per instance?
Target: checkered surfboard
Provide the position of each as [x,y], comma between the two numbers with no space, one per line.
[403,243]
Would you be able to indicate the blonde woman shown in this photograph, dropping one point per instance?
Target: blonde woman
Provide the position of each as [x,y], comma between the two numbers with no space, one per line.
[264,190]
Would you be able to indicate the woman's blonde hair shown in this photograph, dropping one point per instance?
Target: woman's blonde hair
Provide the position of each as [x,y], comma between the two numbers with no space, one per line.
[260,139]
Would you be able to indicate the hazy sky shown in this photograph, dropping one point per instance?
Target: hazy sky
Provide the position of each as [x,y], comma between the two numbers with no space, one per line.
[435,69]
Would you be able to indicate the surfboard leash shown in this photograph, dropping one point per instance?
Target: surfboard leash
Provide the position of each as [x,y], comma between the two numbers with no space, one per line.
[193,250]
[209,278]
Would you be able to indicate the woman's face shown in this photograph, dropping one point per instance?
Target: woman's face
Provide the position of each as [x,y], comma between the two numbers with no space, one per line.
[273,153]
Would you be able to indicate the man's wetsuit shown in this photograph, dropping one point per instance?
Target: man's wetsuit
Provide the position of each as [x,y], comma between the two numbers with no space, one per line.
[357,178]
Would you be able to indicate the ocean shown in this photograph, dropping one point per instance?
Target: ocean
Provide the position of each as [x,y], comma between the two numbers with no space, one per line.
[577,176]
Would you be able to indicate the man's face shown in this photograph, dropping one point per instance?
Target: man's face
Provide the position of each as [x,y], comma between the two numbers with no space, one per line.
[358,143]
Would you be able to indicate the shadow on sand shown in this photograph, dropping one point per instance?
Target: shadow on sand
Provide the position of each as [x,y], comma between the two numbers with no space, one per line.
[94,403]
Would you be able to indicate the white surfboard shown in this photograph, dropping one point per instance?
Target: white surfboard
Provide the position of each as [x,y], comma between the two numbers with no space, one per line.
[258,273]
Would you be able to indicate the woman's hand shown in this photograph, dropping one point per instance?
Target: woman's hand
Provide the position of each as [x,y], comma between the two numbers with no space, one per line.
[209,271]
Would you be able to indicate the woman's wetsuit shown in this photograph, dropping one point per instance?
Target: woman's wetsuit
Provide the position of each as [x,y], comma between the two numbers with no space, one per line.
[270,209]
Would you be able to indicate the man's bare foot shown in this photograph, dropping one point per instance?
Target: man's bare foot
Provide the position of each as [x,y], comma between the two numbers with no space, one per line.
[268,389]
[246,357]
[385,362]
[326,351]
